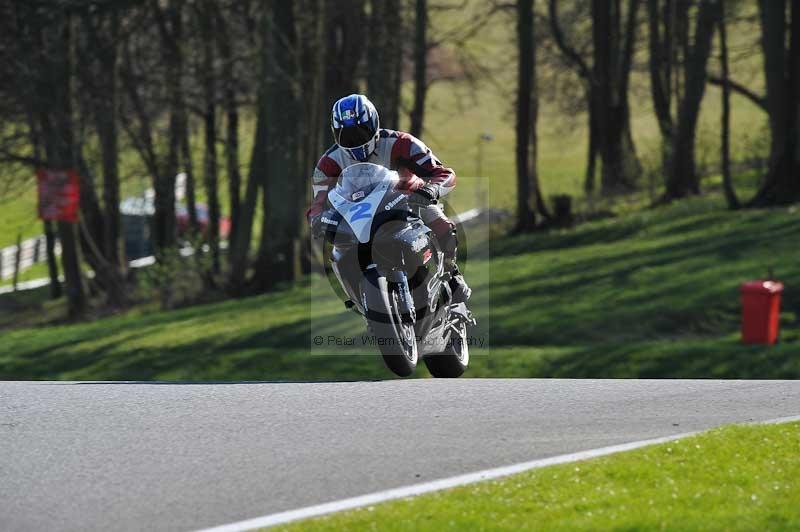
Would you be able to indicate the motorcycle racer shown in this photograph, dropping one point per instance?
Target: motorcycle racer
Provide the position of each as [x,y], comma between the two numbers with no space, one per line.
[359,138]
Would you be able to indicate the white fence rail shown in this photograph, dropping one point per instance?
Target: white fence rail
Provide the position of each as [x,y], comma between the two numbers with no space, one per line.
[32,251]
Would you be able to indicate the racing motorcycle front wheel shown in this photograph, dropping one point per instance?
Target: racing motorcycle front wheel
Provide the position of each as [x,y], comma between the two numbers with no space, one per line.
[395,338]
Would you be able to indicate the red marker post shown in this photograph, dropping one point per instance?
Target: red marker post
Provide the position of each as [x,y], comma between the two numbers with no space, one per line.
[761,305]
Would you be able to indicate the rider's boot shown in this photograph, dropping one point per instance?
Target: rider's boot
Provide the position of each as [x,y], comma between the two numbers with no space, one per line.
[458,285]
[449,241]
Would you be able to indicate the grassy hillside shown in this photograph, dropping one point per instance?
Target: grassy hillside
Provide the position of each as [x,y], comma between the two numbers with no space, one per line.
[651,294]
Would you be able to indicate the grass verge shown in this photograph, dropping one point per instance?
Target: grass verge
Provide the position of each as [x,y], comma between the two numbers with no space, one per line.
[733,478]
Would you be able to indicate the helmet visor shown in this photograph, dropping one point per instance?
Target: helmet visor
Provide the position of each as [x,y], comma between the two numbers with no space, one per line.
[354,136]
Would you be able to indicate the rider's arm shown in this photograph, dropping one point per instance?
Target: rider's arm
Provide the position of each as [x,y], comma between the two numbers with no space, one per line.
[325,175]
[411,153]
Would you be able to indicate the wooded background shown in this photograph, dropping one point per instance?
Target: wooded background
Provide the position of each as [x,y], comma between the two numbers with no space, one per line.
[170,83]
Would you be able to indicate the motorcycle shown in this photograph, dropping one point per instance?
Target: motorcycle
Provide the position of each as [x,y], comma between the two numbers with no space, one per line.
[391,268]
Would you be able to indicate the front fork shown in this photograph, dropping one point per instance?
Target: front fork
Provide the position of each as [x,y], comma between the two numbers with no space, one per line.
[399,279]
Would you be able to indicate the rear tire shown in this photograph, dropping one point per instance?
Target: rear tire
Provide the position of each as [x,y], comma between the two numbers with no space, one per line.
[453,361]
[395,339]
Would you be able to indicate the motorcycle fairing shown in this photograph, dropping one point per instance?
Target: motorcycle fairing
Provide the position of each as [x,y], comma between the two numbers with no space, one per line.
[359,214]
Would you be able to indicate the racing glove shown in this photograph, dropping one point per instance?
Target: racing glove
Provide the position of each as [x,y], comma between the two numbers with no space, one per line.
[317,227]
[425,195]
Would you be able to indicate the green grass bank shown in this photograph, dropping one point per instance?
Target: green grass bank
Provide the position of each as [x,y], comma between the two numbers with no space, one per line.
[653,293]
[733,478]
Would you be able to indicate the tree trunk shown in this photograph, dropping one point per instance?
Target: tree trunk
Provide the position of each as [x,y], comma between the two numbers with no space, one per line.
[109,146]
[611,71]
[52,264]
[781,185]
[210,121]
[57,128]
[399,31]
[98,73]
[232,164]
[383,54]
[240,246]
[170,23]
[682,177]
[602,40]
[70,262]
[671,46]
[103,37]
[278,256]
[660,66]
[91,213]
[112,243]
[589,183]
[315,124]
[225,46]
[794,110]
[188,170]
[727,181]
[420,67]
[344,47]
[773,39]
[585,73]
[529,197]
[107,276]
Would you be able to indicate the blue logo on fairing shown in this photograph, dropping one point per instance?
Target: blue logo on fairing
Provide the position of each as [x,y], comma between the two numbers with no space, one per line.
[360,211]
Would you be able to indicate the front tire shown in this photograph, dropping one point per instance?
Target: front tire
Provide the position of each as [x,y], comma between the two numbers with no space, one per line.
[453,361]
[395,339]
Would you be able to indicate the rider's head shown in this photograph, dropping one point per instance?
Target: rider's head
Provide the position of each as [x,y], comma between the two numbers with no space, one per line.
[355,125]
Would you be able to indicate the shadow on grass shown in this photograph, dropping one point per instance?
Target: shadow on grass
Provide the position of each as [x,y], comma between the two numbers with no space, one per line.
[276,353]
[717,359]
[627,294]
[652,295]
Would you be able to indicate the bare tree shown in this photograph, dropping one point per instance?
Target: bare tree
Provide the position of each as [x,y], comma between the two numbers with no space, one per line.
[678,61]
[155,87]
[241,240]
[205,12]
[284,185]
[725,134]
[662,19]
[613,52]
[344,48]
[313,127]
[420,66]
[225,44]
[606,87]
[99,80]
[782,70]
[682,179]
[38,89]
[54,99]
[384,58]
[529,197]
[240,245]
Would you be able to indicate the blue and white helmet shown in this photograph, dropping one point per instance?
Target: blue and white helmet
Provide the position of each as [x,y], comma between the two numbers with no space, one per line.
[355,125]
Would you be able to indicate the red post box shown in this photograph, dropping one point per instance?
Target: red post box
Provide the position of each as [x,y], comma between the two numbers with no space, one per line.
[761,304]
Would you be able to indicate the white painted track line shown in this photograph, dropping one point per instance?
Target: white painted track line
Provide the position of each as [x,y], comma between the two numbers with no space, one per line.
[450,482]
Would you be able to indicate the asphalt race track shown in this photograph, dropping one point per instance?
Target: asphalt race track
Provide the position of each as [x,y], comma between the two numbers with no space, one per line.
[164,456]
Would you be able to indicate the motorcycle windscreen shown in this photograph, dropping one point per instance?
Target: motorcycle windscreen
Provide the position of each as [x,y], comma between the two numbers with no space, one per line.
[359,180]
[358,195]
